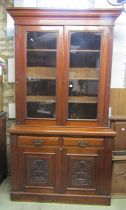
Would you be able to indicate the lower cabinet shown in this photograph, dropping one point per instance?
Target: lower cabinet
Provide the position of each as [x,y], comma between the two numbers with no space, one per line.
[63,169]
[82,163]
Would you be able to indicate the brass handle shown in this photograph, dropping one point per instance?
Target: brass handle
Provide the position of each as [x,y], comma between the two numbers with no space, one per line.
[38,142]
[83,143]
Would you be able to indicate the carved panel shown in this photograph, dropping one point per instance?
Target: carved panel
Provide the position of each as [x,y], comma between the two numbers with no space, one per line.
[38,170]
[81,172]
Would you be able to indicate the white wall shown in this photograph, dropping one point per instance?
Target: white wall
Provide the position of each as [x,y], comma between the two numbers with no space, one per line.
[118,78]
[76,4]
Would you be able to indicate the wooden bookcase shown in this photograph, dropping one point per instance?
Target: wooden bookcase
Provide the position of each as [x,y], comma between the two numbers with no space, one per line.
[61,146]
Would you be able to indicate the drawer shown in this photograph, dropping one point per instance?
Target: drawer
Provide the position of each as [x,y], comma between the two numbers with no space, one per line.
[83,142]
[38,141]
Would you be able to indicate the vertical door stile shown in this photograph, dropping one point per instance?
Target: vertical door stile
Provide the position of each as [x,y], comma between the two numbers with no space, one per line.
[61,170]
[58,170]
[65,74]
[59,75]
[20,75]
[104,76]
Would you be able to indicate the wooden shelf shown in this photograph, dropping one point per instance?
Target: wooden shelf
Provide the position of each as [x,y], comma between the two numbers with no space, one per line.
[81,78]
[81,50]
[72,99]
[41,73]
[84,73]
[45,99]
[74,73]
[83,99]
[41,50]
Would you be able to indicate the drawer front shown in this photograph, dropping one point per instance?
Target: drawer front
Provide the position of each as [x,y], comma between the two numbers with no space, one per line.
[83,142]
[38,141]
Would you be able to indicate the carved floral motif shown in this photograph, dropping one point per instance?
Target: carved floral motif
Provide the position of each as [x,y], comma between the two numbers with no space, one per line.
[39,171]
[81,172]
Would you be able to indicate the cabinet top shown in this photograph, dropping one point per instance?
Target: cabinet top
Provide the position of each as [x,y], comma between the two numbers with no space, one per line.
[22,15]
[62,130]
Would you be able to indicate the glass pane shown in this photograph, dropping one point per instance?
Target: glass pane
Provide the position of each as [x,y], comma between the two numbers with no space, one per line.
[41,74]
[84,59]
[41,40]
[37,58]
[42,87]
[83,87]
[85,40]
[82,111]
[84,75]
[40,110]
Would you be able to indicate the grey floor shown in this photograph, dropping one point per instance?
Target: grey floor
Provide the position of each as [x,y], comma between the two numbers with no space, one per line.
[7,204]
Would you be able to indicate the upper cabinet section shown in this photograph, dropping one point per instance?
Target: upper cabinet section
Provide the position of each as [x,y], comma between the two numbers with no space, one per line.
[63,64]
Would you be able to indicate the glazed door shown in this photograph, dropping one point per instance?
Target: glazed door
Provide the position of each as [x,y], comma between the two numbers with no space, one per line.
[62,75]
[85,75]
[39,74]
